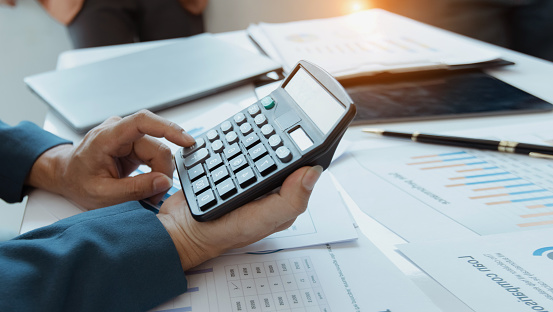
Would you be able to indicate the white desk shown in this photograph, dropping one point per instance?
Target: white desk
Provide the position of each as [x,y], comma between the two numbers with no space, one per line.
[530,74]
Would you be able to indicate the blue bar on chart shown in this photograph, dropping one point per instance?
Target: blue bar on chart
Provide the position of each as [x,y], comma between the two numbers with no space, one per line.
[441,160]
[479,175]
[540,206]
[478,169]
[502,187]
[508,194]
[519,200]
[483,182]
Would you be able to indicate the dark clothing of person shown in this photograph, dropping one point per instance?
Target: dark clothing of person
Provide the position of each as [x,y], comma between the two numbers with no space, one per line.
[110,22]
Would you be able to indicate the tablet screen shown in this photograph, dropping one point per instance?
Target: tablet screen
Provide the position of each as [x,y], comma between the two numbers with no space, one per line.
[434,96]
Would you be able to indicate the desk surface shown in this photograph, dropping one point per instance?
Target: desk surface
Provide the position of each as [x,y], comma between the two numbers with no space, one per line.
[530,74]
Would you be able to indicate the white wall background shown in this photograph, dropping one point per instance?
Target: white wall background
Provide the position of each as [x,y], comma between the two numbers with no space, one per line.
[30,42]
[226,15]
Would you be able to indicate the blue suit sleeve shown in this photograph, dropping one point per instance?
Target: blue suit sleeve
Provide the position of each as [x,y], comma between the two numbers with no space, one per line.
[20,146]
[119,258]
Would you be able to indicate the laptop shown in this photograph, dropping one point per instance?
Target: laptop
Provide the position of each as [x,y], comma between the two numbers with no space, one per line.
[153,79]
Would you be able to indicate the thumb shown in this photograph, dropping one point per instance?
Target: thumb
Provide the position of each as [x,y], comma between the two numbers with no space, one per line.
[296,192]
[137,187]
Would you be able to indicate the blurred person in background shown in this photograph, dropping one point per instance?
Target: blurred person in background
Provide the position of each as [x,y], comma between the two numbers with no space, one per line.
[93,23]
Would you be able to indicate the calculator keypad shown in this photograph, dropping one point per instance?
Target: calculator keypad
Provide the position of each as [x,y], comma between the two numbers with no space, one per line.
[226,188]
[196,157]
[231,157]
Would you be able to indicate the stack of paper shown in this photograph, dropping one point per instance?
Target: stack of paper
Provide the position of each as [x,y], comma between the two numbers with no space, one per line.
[366,43]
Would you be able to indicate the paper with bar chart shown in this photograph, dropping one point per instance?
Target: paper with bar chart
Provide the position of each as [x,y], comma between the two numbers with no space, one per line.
[487,192]
[366,42]
[324,279]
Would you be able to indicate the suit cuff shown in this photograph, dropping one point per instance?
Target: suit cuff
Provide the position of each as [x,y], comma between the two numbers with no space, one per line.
[21,146]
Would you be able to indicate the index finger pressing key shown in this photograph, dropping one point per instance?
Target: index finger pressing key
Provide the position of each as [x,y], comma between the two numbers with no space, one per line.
[133,127]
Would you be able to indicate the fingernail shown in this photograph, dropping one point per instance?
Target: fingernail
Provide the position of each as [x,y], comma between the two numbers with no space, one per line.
[311,177]
[162,183]
[187,136]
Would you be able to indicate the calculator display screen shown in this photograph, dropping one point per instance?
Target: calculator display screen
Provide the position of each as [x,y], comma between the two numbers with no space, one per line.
[323,109]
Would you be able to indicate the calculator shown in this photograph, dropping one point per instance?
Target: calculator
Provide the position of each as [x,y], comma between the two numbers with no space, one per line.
[251,153]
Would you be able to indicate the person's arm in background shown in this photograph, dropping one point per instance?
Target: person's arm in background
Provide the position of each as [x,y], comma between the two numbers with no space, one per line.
[125,258]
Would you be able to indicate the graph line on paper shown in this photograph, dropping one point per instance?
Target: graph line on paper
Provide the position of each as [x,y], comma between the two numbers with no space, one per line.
[487,192]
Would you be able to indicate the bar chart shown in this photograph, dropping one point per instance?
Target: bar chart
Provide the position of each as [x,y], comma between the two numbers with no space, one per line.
[487,192]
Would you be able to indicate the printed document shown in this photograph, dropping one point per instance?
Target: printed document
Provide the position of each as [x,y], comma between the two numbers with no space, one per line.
[418,189]
[505,272]
[366,42]
[352,276]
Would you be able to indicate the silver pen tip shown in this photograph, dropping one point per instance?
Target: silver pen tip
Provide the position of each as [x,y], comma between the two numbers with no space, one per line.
[373,130]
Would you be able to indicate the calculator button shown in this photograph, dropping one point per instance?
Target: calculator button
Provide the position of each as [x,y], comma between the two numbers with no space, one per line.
[254,110]
[250,140]
[226,126]
[231,137]
[226,188]
[275,141]
[196,172]
[206,200]
[191,149]
[195,158]
[200,185]
[267,130]
[284,154]
[232,151]
[239,118]
[268,102]
[238,163]
[246,128]
[260,120]
[257,151]
[265,165]
[219,174]
[217,146]
[245,177]
[214,162]
[212,135]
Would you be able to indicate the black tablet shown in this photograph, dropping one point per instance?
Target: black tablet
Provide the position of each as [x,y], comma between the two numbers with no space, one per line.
[438,95]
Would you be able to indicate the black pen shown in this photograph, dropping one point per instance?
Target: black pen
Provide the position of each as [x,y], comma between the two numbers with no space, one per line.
[532,150]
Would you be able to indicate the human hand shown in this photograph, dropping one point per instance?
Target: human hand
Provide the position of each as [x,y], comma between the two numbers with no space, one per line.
[197,242]
[95,173]
[8,2]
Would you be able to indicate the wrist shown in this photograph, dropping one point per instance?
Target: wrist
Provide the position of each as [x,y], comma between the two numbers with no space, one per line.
[191,254]
[48,170]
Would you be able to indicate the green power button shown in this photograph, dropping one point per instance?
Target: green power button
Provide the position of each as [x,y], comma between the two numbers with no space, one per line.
[268,102]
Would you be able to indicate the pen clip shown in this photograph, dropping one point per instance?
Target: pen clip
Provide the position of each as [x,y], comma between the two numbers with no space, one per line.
[540,155]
